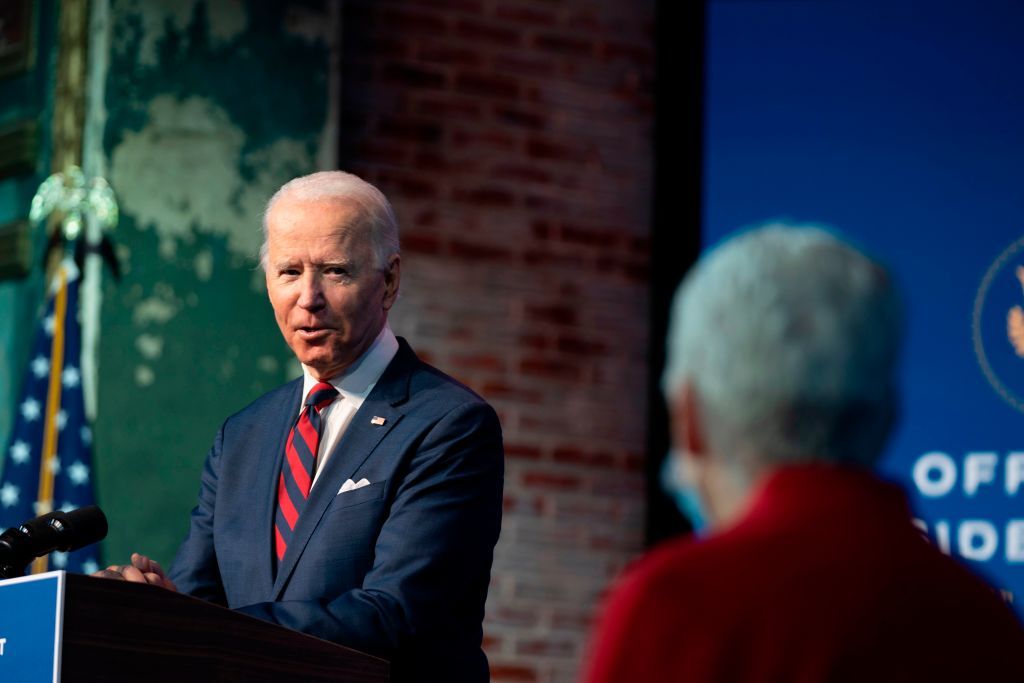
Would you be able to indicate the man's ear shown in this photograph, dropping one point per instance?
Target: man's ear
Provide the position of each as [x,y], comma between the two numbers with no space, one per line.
[688,433]
[392,279]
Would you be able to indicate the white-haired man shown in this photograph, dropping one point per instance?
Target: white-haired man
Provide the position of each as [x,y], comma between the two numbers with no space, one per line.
[781,384]
[361,502]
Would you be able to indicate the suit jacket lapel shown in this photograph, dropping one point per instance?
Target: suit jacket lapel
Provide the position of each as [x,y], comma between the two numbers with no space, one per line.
[355,446]
[281,416]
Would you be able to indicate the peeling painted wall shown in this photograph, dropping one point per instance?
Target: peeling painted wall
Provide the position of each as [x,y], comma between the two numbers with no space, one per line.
[25,96]
[211,105]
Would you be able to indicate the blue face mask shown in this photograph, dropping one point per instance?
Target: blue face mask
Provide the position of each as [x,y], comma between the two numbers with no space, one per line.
[683,493]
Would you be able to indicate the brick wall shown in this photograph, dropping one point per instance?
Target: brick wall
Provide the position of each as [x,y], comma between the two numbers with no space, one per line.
[515,141]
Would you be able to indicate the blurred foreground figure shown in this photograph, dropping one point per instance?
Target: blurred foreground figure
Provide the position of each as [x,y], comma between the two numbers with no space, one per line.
[781,383]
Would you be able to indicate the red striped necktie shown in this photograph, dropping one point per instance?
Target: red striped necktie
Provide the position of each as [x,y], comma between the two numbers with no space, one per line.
[299,465]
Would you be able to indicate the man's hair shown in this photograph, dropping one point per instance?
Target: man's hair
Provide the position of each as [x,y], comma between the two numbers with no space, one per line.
[375,211]
[790,338]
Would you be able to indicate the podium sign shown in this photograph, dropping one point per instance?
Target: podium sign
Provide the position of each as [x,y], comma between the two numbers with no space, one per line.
[70,628]
[31,625]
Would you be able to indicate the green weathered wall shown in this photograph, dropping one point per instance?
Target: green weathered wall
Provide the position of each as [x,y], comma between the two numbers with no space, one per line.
[211,105]
[25,96]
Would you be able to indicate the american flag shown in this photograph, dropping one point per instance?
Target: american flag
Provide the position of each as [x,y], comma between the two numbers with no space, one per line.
[48,462]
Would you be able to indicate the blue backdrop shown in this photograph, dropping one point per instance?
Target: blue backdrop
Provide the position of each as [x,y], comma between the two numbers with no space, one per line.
[901,124]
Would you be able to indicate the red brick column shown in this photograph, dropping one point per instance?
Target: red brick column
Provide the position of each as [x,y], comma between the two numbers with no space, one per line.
[515,141]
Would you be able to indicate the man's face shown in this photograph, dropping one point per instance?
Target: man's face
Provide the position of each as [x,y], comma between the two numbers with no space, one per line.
[329,297]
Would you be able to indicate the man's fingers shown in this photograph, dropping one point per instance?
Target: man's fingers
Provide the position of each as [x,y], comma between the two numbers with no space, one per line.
[141,570]
[134,575]
[109,573]
[146,565]
[160,580]
[141,562]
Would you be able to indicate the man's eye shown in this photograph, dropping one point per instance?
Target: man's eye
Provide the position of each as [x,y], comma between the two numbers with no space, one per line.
[289,272]
[336,271]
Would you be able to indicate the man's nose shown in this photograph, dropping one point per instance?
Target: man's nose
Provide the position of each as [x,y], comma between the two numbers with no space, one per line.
[311,294]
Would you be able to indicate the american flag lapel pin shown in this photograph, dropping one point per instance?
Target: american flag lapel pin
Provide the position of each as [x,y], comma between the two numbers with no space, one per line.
[377,420]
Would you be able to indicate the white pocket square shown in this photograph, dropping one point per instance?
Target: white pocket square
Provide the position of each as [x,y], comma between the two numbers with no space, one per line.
[350,485]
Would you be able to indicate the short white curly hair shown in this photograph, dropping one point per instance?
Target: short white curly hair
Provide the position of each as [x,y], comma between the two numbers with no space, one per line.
[790,339]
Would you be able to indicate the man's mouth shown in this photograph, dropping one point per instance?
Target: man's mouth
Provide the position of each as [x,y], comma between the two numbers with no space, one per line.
[309,333]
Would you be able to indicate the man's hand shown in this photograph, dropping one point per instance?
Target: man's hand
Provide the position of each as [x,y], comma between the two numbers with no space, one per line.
[141,570]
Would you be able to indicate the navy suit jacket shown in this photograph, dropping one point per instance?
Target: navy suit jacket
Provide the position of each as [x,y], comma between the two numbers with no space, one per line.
[399,568]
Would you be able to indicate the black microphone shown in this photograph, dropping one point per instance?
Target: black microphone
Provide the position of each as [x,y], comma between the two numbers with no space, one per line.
[63,531]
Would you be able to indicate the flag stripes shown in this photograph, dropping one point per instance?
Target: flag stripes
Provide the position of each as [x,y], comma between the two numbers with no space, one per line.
[47,464]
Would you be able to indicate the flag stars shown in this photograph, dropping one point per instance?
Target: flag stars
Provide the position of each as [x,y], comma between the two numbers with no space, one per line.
[69,466]
[30,409]
[71,377]
[20,452]
[40,367]
[78,473]
[9,495]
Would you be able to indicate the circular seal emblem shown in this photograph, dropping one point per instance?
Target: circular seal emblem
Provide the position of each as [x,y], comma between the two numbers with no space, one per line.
[997,325]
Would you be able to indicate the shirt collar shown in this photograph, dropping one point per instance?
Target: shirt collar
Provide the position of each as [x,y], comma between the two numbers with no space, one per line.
[360,377]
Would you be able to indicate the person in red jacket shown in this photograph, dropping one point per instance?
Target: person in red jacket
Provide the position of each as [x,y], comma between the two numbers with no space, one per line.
[781,383]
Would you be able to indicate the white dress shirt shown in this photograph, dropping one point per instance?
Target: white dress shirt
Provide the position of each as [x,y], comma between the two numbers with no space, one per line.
[353,386]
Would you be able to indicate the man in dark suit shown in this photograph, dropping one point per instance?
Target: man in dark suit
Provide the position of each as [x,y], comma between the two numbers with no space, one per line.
[781,384]
[360,503]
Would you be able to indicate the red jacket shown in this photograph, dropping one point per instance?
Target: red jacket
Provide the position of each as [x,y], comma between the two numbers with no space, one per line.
[823,579]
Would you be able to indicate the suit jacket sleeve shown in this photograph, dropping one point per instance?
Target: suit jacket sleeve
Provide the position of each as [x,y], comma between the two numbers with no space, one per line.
[195,568]
[433,555]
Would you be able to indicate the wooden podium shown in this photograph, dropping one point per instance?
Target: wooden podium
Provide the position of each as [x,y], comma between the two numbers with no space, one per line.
[119,631]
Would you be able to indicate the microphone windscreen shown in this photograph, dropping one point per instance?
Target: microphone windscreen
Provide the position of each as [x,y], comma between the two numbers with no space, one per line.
[83,526]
